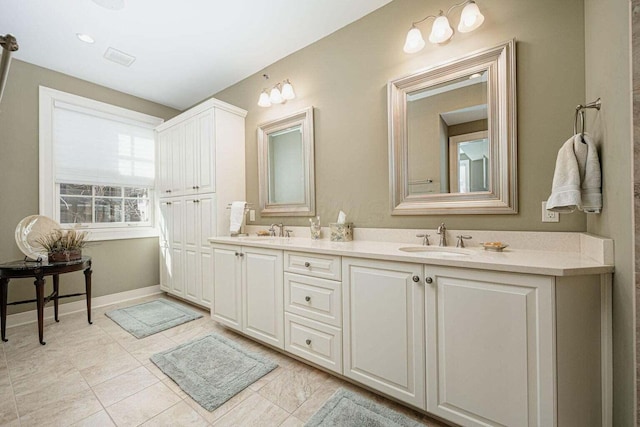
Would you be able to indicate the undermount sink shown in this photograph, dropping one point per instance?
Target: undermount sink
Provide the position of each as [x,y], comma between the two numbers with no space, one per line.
[437,251]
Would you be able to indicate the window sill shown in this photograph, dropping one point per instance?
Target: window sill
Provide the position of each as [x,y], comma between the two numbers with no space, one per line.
[103,234]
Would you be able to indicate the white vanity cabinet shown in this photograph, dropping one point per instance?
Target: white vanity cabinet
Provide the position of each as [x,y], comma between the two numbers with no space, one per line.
[383,327]
[313,308]
[248,291]
[507,349]
[200,171]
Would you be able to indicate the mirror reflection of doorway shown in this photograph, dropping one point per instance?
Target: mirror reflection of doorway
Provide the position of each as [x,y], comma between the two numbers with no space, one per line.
[468,162]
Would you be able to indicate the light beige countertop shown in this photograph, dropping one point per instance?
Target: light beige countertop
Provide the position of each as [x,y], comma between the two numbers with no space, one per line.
[592,256]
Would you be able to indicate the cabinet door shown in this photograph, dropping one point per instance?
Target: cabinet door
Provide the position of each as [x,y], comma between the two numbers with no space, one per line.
[262,287]
[207,222]
[383,327]
[165,237]
[164,163]
[191,154]
[176,158]
[227,303]
[206,161]
[176,247]
[192,277]
[490,347]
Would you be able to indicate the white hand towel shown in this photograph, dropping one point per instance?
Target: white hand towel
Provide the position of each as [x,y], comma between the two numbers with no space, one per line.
[591,179]
[576,180]
[236,217]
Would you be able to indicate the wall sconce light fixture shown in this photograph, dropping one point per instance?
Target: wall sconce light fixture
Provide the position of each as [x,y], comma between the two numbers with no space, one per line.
[441,31]
[280,93]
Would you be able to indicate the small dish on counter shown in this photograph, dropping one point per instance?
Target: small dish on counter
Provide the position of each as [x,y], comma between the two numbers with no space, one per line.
[494,246]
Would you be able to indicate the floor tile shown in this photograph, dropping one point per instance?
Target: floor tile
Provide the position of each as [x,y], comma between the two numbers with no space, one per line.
[37,396]
[225,408]
[125,385]
[142,406]
[72,408]
[254,411]
[293,387]
[179,414]
[292,422]
[99,419]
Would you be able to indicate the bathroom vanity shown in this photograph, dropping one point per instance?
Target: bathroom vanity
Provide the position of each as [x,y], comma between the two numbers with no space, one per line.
[478,338]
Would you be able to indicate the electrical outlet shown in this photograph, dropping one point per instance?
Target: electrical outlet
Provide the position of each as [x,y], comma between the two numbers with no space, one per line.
[549,216]
[252,215]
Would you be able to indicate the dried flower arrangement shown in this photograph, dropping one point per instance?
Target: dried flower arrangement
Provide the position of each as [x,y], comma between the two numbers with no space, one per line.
[64,245]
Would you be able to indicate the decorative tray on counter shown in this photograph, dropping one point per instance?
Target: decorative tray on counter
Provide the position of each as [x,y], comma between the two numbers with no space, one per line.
[494,246]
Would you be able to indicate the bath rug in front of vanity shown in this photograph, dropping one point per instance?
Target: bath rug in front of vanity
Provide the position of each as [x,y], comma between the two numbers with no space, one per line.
[148,318]
[212,369]
[347,409]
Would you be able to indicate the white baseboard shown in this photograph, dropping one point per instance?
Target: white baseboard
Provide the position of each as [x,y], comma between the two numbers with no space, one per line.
[25,317]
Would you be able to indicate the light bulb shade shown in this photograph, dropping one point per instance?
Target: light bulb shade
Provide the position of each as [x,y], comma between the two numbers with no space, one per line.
[414,42]
[264,100]
[441,30]
[471,18]
[275,96]
[287,91]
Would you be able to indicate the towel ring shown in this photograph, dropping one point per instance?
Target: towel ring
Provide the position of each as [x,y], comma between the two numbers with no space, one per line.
[580,115]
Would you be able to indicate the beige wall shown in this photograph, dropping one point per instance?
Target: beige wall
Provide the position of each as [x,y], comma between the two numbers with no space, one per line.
[607,65]
[344,76]
[118,265]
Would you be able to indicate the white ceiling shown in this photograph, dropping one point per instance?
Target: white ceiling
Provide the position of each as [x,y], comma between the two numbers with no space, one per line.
[185,50]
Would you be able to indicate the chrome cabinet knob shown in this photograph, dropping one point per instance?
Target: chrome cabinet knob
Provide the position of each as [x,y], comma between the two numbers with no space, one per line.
[307,264]
[307,298]
[308,341]
[428,280]
[416,279]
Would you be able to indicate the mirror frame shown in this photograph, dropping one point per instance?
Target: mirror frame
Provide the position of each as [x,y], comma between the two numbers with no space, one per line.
[502,197]
[304,118]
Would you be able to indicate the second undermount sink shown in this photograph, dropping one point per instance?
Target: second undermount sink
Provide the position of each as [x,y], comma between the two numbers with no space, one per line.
[437,251]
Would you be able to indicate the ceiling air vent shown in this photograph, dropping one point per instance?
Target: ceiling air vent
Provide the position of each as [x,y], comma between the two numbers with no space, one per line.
[119,57]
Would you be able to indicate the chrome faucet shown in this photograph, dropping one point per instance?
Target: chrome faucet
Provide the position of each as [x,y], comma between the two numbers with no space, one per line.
[442,231]
[272,231]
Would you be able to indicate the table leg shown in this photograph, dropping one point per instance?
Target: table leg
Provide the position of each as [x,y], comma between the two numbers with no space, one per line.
[4,285]
[39,282]
[56,292]
[87,284]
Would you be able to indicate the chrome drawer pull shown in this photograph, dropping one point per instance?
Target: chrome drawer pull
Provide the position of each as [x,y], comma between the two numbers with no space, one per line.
[308,341]
[428,280]
[307,264]
[307,298]
[416,279]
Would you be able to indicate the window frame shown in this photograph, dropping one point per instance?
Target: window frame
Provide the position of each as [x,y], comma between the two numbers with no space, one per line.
[49,191]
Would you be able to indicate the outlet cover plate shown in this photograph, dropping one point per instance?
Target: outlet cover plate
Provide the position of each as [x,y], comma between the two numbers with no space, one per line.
[549,216]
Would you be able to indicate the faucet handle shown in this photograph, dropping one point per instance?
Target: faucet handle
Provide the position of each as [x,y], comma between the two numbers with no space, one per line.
[272,232]
[460,242]
[425,238]
[288,233]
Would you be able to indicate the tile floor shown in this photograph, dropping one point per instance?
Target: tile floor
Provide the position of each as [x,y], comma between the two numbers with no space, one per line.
[100,375]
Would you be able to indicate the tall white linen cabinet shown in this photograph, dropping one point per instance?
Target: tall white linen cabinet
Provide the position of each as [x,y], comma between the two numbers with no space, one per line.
[200,170]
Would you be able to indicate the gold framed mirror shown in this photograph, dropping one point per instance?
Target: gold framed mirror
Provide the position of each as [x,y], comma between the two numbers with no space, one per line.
[286,165]
[452,136]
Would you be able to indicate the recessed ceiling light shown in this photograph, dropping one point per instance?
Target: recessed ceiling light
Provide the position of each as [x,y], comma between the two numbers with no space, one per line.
[110,4]
[475,75]
[85,38]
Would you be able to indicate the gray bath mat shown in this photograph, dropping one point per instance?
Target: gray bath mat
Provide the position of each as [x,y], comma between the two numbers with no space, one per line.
[148,318]
[212,369]
[347,409]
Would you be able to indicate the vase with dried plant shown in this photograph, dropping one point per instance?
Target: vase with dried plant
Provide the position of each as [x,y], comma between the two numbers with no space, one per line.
[64,245]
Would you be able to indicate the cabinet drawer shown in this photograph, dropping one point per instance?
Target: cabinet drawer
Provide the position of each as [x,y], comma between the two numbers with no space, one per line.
[323,266]
[313,341]
[316,299]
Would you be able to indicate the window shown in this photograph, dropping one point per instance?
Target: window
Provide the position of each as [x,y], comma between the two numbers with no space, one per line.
[97,166]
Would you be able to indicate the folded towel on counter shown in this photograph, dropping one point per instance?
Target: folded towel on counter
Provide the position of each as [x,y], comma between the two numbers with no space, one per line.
[236,218]
[577,177]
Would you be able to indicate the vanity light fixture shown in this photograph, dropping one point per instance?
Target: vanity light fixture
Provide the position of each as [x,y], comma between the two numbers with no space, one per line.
[279,94]
[441,31]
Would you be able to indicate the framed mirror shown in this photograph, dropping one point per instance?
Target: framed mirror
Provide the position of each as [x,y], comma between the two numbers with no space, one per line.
[286,165]
[452,137]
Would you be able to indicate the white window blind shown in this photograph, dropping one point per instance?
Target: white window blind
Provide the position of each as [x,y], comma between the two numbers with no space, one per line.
[94,147]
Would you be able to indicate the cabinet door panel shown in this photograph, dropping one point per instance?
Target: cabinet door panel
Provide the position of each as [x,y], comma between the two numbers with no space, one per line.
[227,302]
[206,152]
[206,277]
[489,336]
[207,208]
[263,309]
[191,162]
[383,327]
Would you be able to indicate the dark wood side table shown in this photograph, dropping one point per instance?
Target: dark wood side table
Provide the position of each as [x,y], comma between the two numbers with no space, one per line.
[38,270]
